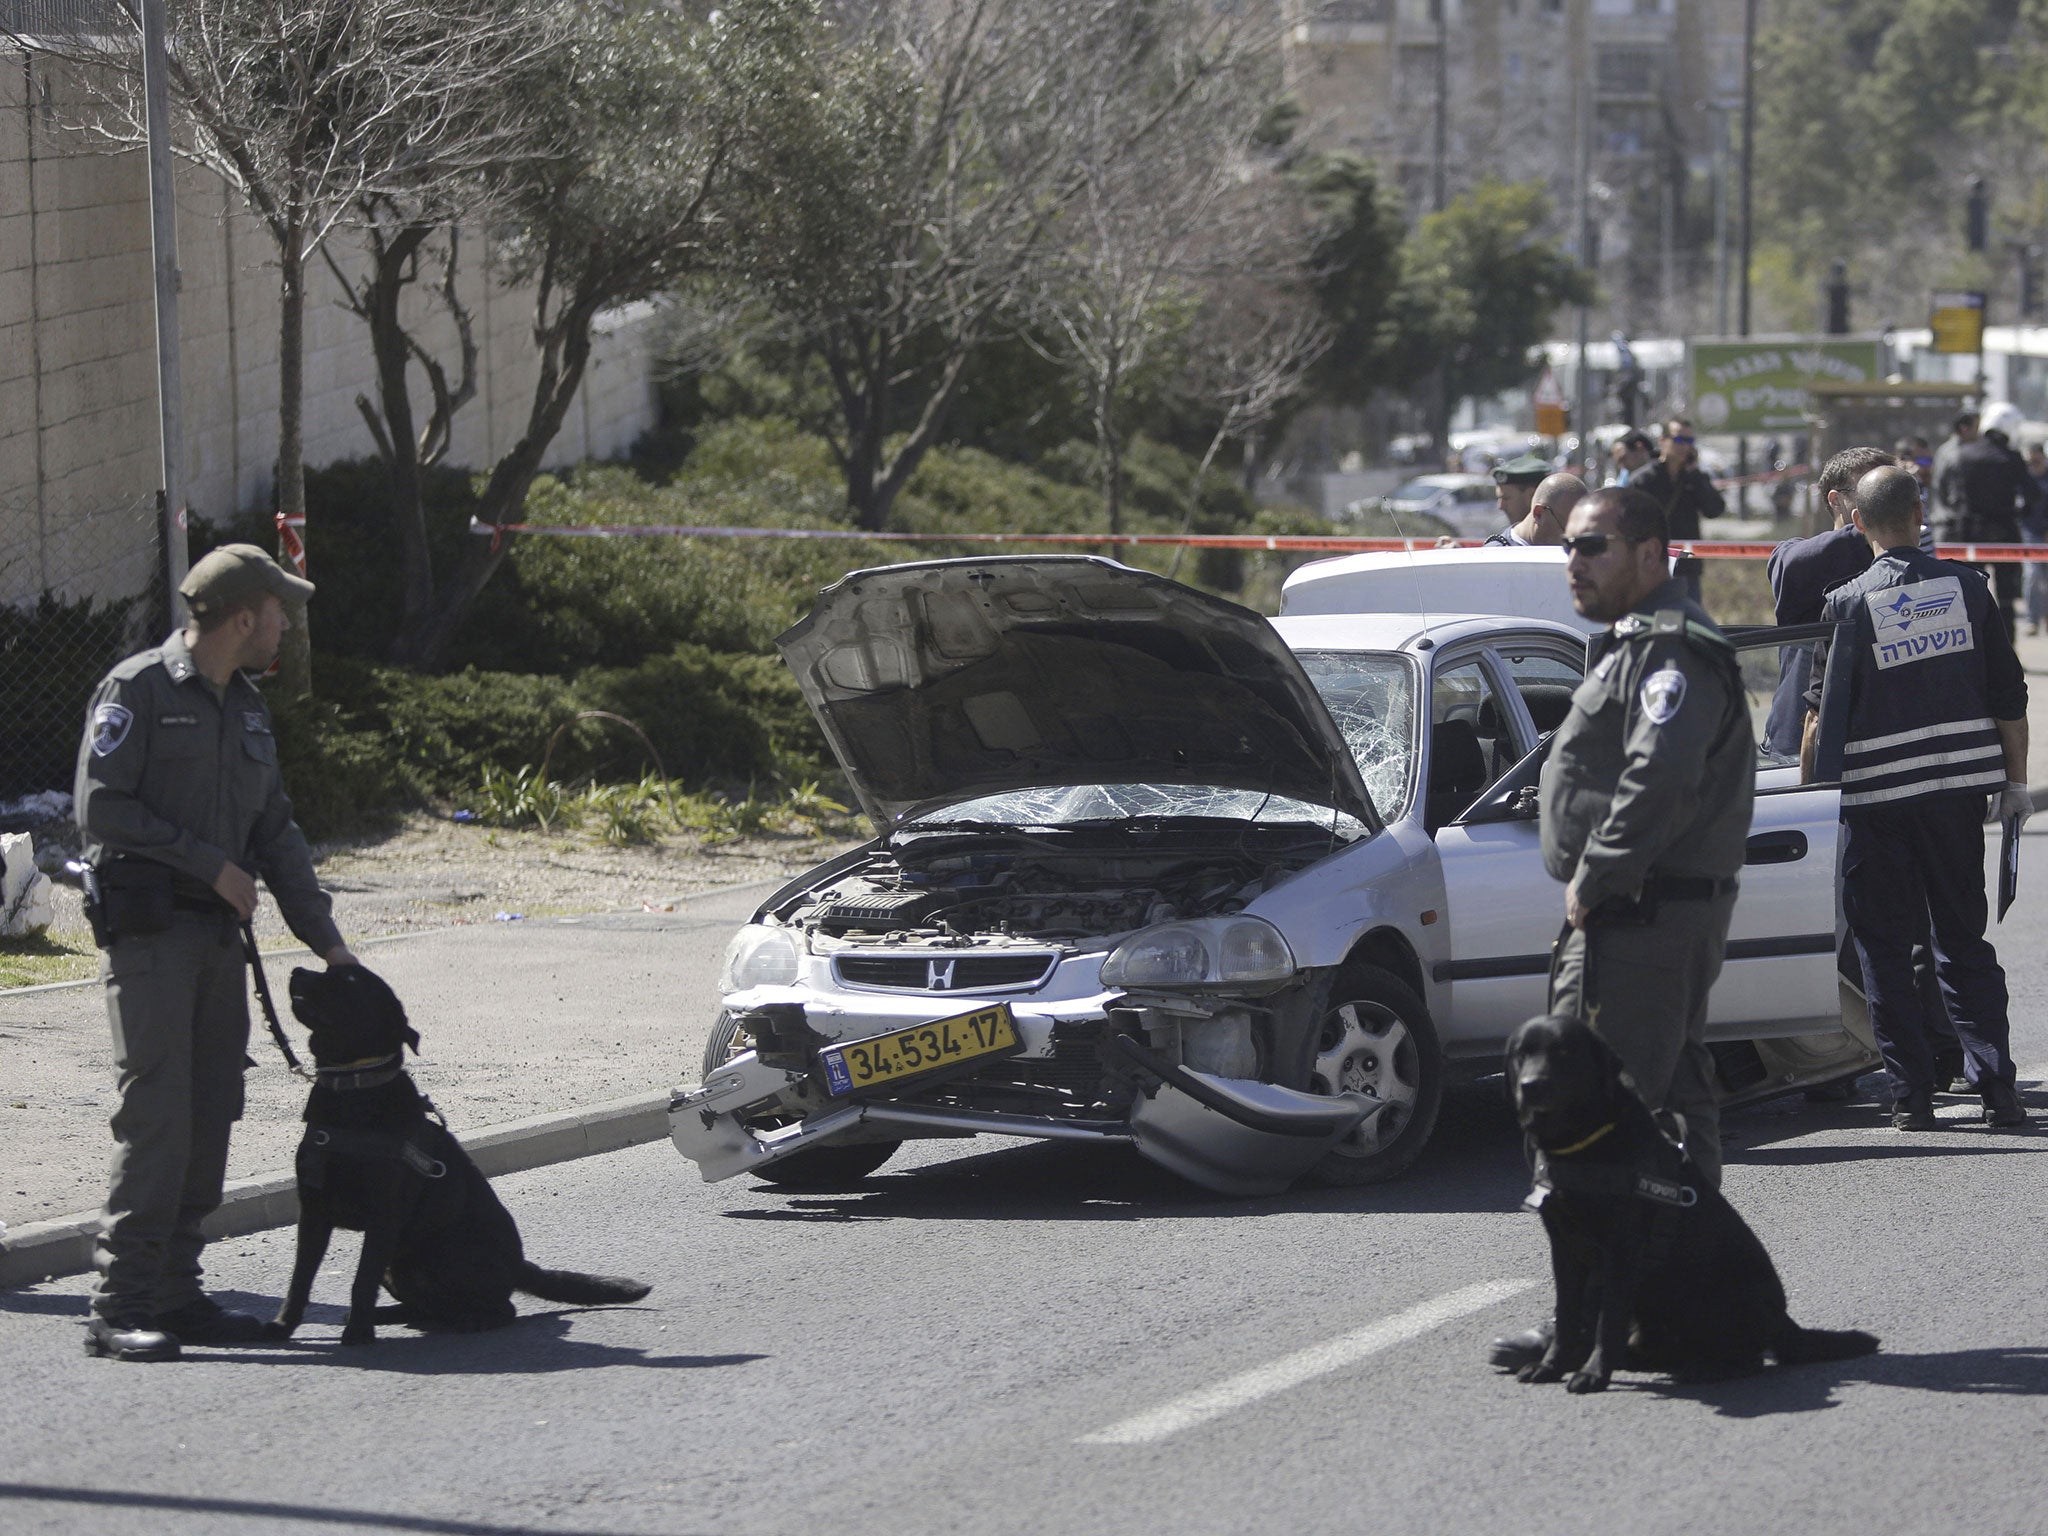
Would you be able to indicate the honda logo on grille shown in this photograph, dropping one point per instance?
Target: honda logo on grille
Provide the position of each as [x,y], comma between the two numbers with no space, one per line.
[939,975]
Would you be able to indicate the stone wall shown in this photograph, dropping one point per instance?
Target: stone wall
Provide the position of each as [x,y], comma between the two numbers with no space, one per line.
[78,410]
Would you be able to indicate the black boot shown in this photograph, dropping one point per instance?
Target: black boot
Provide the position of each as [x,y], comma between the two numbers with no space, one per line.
[1512,1351]
[2002,1107]
[129,1338]
[1915,1112]
[206,1321]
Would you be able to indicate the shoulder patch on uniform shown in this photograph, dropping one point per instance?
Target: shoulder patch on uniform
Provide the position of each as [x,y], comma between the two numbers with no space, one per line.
[1663,693]
[1919,620]
[110,723]
[253,721]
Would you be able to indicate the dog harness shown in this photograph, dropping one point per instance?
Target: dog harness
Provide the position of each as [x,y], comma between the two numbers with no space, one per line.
[322,1142]
[1646,1181]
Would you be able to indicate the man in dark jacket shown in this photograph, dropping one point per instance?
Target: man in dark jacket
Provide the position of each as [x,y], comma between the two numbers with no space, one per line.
[1987,482]
[1681,489]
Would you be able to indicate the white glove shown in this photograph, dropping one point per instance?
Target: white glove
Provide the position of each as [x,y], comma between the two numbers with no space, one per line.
[2013,800]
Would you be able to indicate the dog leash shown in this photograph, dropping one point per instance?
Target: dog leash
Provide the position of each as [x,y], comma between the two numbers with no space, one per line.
[255,958]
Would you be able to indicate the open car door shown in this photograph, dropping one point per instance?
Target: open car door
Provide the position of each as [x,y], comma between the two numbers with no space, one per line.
[1782,1016]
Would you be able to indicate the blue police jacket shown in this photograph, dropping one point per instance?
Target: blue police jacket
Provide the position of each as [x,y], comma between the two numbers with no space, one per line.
[1932,674]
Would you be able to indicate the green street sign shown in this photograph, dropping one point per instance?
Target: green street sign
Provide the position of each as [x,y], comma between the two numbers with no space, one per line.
[1759,383]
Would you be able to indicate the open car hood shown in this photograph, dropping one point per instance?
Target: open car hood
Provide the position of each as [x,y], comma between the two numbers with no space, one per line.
[946,680]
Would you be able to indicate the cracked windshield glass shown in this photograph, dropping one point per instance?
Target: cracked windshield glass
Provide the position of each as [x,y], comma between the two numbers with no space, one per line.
[1368,694]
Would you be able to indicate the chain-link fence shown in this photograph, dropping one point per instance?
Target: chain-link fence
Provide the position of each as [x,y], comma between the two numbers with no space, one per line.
[80,587]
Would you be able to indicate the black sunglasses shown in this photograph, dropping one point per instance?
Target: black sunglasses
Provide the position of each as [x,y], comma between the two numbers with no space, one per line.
[1593,545]
[1682,439]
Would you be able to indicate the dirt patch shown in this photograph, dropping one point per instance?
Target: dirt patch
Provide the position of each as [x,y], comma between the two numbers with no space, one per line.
[434,872]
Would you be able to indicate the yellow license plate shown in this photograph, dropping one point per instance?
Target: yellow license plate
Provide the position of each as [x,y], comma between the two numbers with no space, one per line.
[922,1048]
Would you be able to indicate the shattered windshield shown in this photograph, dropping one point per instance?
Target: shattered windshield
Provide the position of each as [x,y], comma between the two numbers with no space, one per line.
[1368,693]
[1371,696]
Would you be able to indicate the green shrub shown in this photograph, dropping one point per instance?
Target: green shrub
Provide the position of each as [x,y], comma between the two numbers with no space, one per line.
[342,778]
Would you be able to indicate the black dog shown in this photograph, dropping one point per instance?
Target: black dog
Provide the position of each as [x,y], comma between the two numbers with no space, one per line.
[1654,1269]
[434,1232]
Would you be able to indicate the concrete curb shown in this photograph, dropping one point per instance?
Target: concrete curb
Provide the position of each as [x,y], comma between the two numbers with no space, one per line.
[47,1250]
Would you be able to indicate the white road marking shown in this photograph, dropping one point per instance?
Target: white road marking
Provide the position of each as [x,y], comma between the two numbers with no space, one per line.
[1247,1387]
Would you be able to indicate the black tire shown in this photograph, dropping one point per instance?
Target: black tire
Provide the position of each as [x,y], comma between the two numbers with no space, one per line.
[823,1169]
[1376,1037]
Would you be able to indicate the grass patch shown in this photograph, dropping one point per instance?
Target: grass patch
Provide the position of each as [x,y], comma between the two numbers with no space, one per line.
[47,957]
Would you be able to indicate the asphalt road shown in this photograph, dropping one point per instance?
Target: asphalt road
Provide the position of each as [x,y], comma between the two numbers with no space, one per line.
[1012,1338]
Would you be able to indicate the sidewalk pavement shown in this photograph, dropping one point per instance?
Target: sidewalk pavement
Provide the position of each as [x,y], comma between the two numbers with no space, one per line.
[540,1041]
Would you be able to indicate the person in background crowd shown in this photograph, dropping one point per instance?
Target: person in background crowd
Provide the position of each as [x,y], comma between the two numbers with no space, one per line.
[1988,481]
[1962,433]
[1514,486]
[1914,454]
[1675,481]
[1913,819]
[2036,530]
[1549,506]
[1632,453]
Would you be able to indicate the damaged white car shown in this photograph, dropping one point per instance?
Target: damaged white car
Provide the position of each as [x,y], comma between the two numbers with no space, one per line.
[1155,870]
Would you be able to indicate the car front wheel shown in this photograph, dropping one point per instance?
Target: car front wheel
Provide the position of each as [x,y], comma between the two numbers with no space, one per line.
[1376,1038]
[824,1168]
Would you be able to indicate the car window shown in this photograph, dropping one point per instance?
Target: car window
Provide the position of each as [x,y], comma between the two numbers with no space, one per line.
[1546,683]
[1371,696]
[1476,493]
[1471,742]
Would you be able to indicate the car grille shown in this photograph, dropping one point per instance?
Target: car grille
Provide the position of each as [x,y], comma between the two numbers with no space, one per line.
[969,973]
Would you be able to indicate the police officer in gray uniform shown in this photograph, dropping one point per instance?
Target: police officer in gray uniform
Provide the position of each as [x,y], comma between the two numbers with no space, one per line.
[1646,799]
[1646,802]
[181,804]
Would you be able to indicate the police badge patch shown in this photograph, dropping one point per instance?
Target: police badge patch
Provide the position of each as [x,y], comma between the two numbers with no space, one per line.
[1663,692]
[110,724]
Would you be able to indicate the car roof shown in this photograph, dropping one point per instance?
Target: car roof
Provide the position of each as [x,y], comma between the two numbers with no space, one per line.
[1406,631]
[1449,481]
[1515,581]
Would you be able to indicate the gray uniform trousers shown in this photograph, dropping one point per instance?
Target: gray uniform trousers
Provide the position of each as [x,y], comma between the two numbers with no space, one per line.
[178,1003]
[1643,987]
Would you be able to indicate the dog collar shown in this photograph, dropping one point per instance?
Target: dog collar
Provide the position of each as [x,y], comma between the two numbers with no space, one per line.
[1579,1146]
[371,1073]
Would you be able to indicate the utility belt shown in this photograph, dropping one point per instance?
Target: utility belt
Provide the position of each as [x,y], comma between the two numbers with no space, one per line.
[1641,910]
[128,898]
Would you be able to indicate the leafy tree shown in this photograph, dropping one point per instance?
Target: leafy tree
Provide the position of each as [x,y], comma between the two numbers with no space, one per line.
[643,123]
[1478,287]
[910,199]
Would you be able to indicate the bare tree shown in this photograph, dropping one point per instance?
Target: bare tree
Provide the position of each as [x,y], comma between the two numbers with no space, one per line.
[1248,354]
[308,108]
[1159,217]
[905,219]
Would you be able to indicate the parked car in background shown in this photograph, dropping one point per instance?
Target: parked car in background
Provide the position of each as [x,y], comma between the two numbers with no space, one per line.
[1153,870]
[1461,506]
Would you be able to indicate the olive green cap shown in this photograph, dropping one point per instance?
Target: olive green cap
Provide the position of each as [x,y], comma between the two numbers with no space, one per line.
[1527,470]
[234,575]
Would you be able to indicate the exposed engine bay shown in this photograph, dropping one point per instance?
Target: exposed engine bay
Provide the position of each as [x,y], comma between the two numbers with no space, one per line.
[951,888]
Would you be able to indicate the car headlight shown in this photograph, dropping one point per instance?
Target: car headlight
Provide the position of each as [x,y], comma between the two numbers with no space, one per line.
[1221,951]
[758,956]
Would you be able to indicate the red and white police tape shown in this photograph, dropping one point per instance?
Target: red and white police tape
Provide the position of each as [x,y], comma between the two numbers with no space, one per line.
[1279,543]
